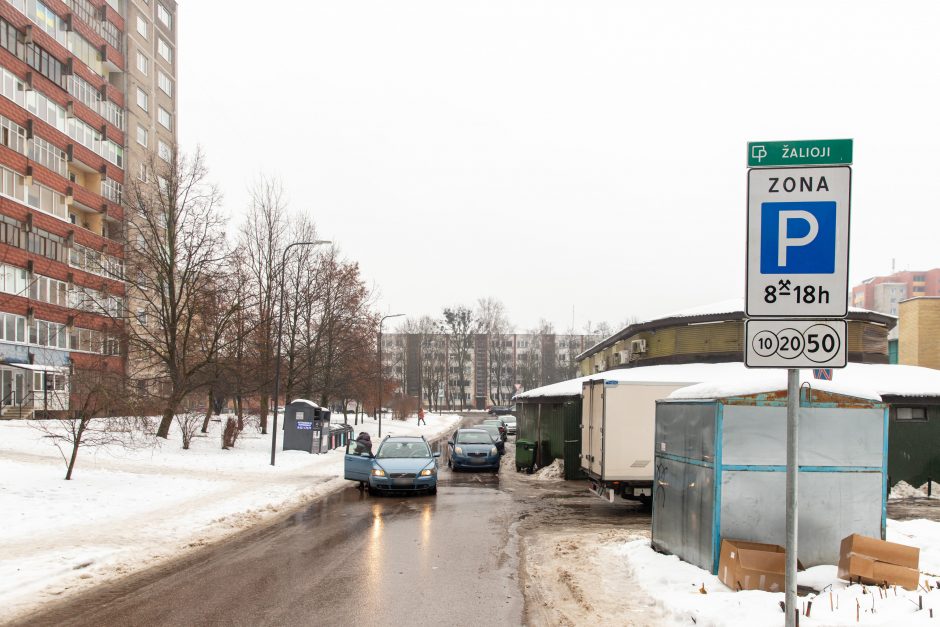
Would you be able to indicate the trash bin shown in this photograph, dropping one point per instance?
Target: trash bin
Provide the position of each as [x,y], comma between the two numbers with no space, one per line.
[306,427]
[525,455]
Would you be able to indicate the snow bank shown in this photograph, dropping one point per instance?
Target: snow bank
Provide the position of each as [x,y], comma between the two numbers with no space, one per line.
[554,471]
[687,594]
[129,509]
[934,489]
[904,490]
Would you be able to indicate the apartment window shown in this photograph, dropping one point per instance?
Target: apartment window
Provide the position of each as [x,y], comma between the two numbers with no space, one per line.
[919,278]
[142,172]
[163,116]
[164,151]
[142,101]
[919,289]
[143,63]
[163,48]
[142,136]
[164,82]
[12,135]
[142,26]
[164,15]
[914,414]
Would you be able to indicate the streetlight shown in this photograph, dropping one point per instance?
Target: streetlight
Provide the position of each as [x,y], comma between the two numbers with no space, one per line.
[280,328]
[379,410]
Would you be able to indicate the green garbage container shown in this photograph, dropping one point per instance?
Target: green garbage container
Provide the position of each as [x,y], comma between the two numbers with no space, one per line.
[525,455]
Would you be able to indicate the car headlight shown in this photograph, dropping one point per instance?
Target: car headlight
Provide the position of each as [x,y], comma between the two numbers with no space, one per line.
[427,472]
[378,472]
[458,450]
[494,451]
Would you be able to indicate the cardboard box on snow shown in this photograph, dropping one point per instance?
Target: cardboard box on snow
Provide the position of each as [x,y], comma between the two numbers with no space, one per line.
[872,561]
[752,566]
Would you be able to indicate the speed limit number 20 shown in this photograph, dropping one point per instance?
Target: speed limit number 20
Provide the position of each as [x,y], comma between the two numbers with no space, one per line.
[795,343]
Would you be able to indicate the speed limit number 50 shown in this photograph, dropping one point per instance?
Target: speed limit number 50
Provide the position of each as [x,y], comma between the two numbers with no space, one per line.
[795,344]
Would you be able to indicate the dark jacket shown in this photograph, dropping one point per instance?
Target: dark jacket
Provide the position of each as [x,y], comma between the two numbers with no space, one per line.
[363,443]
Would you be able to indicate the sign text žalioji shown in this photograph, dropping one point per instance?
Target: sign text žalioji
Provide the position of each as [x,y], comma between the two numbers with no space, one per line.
[799,153]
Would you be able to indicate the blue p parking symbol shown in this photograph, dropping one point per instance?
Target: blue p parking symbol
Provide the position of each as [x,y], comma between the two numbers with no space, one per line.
[798,238]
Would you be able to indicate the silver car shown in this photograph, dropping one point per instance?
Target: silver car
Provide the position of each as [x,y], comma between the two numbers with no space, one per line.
[510,421]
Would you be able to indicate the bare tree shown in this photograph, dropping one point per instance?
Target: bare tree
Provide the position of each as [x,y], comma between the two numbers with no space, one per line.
[461,326]
[188,423]
[491,315]
[263,238]
[177,262]
[103,412]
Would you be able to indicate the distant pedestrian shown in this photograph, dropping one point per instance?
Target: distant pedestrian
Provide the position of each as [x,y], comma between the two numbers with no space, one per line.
[421,417]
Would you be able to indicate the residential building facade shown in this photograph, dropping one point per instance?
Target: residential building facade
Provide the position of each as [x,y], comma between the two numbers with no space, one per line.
[495,366]
[884,293]
[69,120]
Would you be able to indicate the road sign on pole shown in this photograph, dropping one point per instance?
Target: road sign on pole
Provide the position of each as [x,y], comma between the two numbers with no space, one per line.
[795,344]
[797,268]
[798,242]
[799,153]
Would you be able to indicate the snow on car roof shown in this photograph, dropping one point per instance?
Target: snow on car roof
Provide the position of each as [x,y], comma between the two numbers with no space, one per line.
[871,381]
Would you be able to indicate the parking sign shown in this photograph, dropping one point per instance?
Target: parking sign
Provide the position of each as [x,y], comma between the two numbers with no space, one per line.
[798,242]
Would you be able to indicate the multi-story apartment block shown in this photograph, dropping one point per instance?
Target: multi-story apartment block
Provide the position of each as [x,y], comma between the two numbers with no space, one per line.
[495,368]
[71,98]
[884,293]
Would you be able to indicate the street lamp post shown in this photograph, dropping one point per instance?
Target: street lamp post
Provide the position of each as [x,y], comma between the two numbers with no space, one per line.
[379,409]
[280,328]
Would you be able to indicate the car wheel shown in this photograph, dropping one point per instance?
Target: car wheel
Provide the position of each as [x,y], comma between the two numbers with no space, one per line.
[372,491]
[449,464]
[433,491]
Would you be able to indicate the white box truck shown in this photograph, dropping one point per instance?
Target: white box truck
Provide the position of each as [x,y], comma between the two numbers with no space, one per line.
[617,427]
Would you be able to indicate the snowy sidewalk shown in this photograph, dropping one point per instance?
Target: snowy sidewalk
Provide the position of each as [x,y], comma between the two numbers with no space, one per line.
[125,510]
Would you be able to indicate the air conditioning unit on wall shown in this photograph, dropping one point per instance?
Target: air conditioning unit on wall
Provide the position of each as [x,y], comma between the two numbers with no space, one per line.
[638,347]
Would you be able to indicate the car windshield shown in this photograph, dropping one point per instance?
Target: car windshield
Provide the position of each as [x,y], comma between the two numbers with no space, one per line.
[492,429]
[492,422]
[403,449]
[474,437]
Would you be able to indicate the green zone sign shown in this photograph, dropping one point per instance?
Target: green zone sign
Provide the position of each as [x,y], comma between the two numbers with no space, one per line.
[799,153]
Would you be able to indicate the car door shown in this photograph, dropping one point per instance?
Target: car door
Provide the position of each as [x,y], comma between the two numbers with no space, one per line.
[357,465]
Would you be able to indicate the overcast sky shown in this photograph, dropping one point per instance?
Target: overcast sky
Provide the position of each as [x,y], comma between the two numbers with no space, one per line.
[559,155]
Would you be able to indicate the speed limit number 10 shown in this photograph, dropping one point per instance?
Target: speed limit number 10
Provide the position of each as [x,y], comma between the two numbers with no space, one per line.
[795,344]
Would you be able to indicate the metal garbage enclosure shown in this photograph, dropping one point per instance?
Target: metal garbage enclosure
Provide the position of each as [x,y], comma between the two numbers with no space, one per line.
[306,427]
[720,472]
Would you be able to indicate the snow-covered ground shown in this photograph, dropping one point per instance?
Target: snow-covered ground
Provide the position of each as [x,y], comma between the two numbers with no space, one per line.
[125,510]
[615,578]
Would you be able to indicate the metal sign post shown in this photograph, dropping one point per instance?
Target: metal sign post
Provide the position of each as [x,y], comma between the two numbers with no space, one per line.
[793,427]
[797,281]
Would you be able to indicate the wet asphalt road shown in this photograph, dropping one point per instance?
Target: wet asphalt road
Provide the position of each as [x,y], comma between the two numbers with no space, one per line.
[352,559]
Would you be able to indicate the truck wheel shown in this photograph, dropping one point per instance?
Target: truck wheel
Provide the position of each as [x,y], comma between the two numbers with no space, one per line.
[646,502]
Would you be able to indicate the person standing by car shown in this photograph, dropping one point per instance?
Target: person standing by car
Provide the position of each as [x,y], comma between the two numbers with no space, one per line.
[421,417]
[363,443]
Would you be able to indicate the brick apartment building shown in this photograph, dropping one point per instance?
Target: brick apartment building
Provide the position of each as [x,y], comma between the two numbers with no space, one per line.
[87,96]
[884,293]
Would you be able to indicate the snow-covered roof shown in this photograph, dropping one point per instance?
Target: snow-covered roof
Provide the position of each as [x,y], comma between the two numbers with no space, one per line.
[305,401]
[678,373]
[729,307]
[869,381]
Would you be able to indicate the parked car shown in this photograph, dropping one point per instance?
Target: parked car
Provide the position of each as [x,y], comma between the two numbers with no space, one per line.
[500,423]
[497,436]
[510,421]
[473,448]
[402,464]
[499,410]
